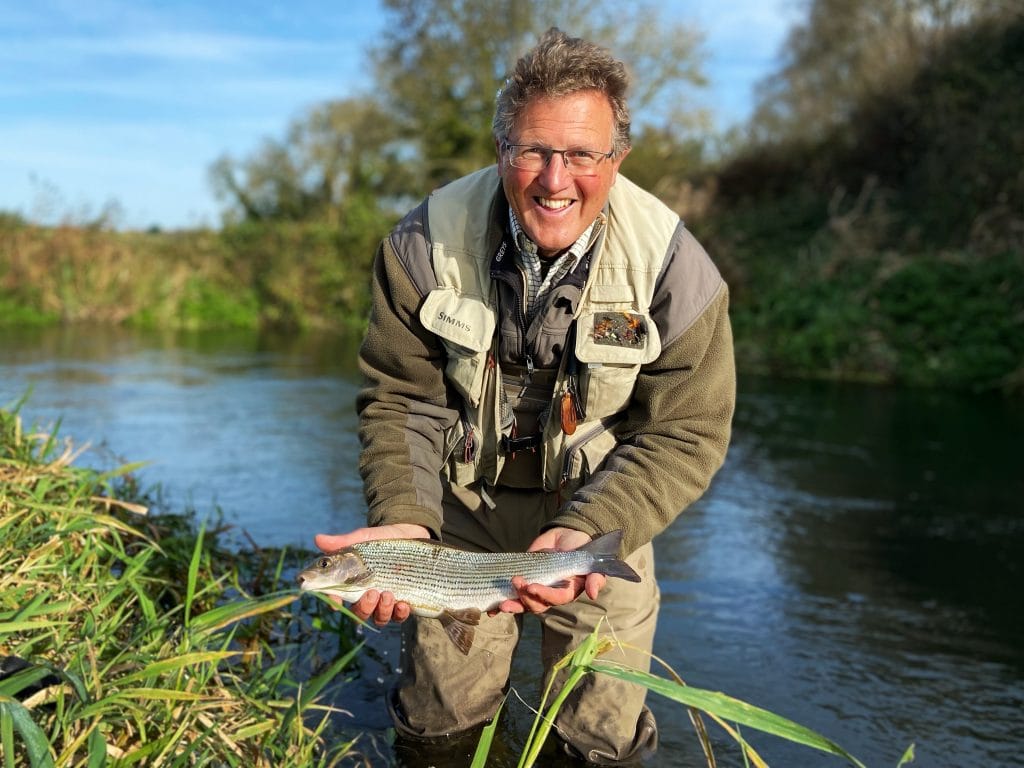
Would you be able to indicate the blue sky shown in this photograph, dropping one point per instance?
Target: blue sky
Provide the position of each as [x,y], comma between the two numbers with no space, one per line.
[131,101]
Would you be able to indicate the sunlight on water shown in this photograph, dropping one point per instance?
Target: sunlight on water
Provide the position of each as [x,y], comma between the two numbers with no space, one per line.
[856,565]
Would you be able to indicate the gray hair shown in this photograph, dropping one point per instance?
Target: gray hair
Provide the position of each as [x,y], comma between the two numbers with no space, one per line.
[560,65]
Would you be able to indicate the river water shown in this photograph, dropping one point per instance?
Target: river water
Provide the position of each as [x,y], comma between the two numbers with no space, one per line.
[856,565]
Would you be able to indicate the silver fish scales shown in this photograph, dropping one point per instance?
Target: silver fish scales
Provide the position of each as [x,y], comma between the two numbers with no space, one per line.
[454,585]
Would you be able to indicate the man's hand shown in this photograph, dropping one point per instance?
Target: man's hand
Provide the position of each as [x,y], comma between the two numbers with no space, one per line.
[381,606]
[537,598]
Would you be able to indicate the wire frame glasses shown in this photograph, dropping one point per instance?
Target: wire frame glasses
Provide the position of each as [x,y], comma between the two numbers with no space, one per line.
[579,162]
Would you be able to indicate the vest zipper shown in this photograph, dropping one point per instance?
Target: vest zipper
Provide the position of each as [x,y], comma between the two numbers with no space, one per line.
[520,305]
[528,376]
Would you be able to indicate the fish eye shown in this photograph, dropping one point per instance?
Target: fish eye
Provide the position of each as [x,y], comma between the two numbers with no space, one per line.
[324,562]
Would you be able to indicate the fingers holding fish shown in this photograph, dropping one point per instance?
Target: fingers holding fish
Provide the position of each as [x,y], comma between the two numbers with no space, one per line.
[381,607]
[594,584]
[559,540]
[333,542]
[537,598]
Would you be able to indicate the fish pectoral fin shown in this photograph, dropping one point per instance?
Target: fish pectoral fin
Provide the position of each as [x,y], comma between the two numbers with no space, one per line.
[460,626]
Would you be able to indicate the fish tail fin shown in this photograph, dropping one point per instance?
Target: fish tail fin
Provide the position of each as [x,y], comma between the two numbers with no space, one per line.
[605,551]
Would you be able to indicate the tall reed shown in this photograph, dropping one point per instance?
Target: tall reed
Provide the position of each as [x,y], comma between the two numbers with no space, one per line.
[729,713]
[128,640]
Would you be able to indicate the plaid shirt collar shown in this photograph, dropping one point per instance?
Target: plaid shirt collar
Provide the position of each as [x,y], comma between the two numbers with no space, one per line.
[537,283]
[528,248]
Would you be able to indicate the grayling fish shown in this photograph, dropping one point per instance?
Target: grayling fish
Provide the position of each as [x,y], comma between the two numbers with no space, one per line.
[451,584]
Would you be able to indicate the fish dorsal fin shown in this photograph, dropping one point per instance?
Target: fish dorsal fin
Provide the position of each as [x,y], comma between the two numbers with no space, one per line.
[460,626]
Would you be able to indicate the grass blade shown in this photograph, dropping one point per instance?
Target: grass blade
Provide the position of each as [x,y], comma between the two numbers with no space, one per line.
[16,683]
[172,665]
[7,738]
[193,574]
[10,627]
[908,757]
[312,689]
[224,615]
[727,708]
[483,747]
[97,749]
[14,717]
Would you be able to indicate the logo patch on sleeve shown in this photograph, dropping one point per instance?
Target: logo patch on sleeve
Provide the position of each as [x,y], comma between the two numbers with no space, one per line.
[619,329]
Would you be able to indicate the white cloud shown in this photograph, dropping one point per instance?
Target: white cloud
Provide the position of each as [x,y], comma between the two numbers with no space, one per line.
[187,47]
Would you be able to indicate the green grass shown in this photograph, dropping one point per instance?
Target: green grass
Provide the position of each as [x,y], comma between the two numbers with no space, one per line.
[285,275]
[144,642]
[726,711]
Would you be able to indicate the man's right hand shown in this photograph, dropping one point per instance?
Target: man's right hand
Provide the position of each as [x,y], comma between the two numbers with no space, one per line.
[380,606]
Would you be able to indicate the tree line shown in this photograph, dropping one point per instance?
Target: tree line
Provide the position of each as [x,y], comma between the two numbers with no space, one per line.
[869,216]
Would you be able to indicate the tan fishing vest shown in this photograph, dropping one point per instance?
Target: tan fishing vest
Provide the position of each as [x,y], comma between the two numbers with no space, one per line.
[614,331]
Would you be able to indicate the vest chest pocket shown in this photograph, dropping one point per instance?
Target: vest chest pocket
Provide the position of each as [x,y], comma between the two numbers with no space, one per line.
[465,324]
[611,345]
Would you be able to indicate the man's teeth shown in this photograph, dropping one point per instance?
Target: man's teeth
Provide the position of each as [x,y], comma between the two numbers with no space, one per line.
[553,204]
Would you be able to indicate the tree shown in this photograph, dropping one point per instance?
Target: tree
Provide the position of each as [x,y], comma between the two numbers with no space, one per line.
[440,63]
[337,153]
[438,68]
[847,54]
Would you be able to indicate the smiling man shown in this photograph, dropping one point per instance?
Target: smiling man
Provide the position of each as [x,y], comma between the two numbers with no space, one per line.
[556,202]
[549,359]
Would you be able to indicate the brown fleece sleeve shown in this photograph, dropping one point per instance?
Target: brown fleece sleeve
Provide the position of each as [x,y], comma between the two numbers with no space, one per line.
[674,439]
[403,406]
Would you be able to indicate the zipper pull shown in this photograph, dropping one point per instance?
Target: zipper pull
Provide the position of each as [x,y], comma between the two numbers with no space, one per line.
[469,448]
[577,401]
[527,377]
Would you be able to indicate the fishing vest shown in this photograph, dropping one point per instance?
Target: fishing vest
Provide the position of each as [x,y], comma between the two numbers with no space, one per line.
[614,333]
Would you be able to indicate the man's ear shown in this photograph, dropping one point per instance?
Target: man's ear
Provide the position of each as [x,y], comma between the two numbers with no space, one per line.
[617,162]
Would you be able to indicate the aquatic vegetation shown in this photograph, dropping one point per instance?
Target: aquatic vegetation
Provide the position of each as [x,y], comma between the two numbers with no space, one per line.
[726,711]
[128,639]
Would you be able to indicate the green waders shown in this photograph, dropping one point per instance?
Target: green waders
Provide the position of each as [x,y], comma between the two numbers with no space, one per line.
[442,693]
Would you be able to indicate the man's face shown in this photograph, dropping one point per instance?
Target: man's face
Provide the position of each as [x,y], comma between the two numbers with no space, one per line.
[553,206]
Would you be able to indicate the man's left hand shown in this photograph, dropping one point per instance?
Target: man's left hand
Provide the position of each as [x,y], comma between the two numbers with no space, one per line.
[537,598]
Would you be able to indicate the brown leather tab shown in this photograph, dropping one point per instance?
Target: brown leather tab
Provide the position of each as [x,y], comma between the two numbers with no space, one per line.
[568,409]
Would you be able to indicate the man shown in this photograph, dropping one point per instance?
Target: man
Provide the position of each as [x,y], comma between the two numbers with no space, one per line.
[549,358]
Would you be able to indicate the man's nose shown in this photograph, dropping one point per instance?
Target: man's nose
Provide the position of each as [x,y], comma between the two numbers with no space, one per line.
[555,174]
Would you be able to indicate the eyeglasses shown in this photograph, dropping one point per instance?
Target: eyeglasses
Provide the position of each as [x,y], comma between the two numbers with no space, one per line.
[580,162]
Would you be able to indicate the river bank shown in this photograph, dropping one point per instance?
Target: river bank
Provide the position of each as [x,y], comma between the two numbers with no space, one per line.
[137,638]
[827,303]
